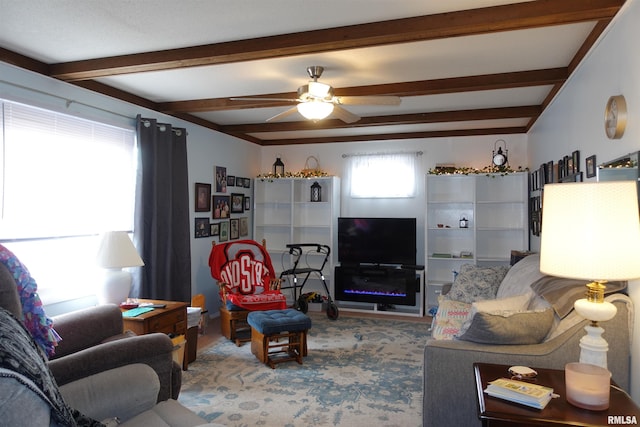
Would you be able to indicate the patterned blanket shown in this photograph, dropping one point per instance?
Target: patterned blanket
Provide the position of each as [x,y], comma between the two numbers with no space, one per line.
[22,359]
[33,316]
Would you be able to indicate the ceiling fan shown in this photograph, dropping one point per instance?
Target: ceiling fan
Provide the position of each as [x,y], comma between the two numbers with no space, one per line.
[316,100]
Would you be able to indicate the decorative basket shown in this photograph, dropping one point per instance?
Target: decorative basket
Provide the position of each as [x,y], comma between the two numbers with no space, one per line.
[311,161]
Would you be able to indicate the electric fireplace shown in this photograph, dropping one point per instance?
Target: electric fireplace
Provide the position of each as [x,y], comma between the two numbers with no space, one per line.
[377,261]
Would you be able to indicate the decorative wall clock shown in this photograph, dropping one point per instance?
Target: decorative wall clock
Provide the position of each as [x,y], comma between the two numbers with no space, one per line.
[615,117]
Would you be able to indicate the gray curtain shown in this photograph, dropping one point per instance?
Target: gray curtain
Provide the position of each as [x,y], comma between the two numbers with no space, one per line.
[162,230]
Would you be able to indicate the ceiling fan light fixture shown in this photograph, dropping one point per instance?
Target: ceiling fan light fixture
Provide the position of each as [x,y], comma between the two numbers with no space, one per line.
[315,110]
[319,90]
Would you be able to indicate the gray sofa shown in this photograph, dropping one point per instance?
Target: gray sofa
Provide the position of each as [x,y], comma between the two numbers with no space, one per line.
[449,389]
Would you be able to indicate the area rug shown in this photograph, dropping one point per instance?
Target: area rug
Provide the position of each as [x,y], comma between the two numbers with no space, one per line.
[359,372]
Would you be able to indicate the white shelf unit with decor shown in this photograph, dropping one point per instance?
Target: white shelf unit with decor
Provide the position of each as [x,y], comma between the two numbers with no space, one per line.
[495,207]
[283,214]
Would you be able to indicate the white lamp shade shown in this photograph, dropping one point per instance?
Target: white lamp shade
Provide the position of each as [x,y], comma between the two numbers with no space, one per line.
[591,231]
[315,110]
[116,251]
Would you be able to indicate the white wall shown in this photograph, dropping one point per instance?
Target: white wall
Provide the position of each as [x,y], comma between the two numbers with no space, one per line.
[575,119]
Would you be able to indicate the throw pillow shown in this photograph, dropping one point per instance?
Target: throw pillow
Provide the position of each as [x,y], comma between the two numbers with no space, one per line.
[511,304]
[449,319]
[475,283]
[524,327]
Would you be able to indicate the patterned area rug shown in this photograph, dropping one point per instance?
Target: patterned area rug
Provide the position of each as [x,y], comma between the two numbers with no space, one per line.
[359,372]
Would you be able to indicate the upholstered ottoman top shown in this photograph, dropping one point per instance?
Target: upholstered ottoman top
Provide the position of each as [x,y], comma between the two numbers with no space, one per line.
[275,321]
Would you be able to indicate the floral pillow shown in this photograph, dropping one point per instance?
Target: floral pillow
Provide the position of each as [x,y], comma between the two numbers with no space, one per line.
[449,319]
[476,283]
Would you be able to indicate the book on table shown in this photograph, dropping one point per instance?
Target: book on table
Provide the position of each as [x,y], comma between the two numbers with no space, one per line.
[532,395]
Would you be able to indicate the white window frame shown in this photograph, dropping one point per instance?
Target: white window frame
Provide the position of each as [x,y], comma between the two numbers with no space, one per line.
[382,175]
[64,181]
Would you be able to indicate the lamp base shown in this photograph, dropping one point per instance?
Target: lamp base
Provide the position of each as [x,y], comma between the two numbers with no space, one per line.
[593,347]
[115,287]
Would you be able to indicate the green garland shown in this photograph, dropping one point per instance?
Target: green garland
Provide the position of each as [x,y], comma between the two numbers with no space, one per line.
[315,173]
[488,170]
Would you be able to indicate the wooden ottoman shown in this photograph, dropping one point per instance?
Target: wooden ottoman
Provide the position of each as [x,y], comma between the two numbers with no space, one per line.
[269,327]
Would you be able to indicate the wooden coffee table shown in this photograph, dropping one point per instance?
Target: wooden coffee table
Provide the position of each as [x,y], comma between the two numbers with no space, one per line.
[172,319]
[497,412]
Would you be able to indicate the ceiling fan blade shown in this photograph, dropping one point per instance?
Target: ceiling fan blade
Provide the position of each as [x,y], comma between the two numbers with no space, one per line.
[368,100]
[266,99]
[284,114]
[344,115]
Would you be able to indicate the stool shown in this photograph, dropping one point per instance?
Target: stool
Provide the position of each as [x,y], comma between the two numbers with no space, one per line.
[268,327]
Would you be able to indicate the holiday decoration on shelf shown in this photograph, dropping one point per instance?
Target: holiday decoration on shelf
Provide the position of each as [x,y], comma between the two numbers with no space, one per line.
[470,171]
[311,170]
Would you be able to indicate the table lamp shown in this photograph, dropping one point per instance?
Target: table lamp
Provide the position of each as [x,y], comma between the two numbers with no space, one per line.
[116,251]
[591,231]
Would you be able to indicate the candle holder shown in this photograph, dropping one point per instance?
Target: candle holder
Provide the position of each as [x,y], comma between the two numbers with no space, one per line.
[587,386]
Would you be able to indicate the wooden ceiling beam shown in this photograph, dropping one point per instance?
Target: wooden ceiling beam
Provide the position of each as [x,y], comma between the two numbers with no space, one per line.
[419,88]
[510,17]
[398,136]
[402,119]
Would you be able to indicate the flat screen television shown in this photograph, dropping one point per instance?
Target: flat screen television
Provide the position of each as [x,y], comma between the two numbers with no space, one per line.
[377,241]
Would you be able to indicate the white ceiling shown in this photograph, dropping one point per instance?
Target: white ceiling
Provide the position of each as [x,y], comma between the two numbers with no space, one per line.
[66,31]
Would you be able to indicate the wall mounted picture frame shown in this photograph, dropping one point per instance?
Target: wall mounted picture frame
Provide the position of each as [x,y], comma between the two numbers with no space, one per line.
[214,229]
[247,203]
[220,178]
[244,226]
[221,207]
[237,203]
[201,228]
[234,228]
[231,181]
[575,156]
[224,231]
[590,166]
[203,197]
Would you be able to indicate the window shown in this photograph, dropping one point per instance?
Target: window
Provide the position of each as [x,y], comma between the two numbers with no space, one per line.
[382,175]
[64,180]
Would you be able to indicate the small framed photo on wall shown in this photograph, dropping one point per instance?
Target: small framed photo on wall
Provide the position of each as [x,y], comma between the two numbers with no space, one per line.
[234,228]
[221,208]
[244,226]
[203,197]
[220,177]
[590,166]
[224,231]
[237,203]
[201,227]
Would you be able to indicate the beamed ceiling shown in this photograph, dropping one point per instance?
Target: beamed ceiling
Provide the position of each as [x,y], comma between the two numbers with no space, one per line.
[460,67]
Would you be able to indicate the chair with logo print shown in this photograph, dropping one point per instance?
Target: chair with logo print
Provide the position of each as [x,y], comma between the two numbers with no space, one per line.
[247,283]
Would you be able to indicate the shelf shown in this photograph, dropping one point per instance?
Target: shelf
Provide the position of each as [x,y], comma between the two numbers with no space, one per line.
[285,214]
[496,207]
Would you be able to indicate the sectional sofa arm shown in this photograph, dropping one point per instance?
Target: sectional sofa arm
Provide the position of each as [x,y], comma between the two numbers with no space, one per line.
[155,350]
[86,328]
[448,366]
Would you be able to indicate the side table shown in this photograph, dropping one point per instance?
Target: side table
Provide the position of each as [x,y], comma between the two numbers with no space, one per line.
[497,412]
[172,319]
